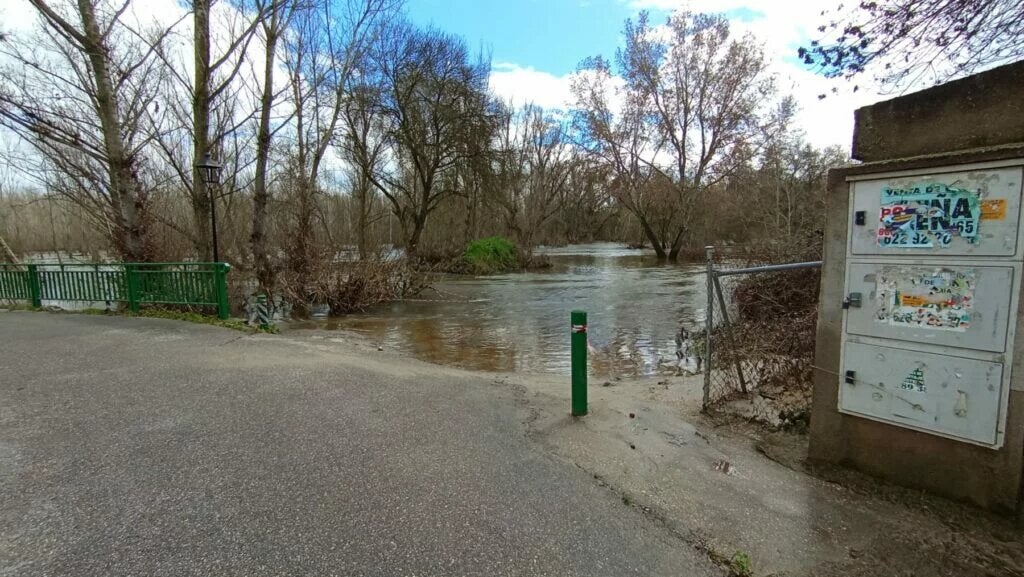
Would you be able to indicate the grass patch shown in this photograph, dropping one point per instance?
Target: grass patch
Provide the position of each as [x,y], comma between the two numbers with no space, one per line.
[158,313]
[193,317]
[491,255]
[741,564]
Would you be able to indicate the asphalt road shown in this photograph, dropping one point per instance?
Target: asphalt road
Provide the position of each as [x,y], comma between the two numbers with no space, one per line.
[148,447]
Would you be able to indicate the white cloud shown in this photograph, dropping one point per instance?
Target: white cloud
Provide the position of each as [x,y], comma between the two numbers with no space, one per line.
[781,26]
[525,84]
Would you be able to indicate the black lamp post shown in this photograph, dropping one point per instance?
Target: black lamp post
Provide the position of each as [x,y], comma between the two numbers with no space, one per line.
[209,170]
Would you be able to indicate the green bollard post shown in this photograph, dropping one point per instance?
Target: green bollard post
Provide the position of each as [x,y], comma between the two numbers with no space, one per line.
[578,320]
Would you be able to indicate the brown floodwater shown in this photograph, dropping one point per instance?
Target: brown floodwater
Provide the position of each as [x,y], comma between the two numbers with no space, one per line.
[520,321]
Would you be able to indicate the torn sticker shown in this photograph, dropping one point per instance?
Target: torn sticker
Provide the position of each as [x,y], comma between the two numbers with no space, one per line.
[927,215]
[994,209]
[914,382]
[940,299]
[960,409]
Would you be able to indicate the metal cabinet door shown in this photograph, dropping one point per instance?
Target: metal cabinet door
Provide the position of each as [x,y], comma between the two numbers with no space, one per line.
[958,306]
[954,214]
[947,395]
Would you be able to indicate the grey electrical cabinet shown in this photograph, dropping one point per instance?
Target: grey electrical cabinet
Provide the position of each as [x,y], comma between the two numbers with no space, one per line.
[934,264]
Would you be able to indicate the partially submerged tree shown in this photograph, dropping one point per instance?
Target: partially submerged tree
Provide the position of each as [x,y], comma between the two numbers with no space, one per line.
[691,111]
[327,43]
[531,167]
[914,41]
[434,102]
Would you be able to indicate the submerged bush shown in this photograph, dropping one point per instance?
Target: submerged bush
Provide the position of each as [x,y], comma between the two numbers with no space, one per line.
[355,286]
[491,255]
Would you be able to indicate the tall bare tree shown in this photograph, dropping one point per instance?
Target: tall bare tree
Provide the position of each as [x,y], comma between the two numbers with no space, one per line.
[435,99]
[77,91]
[276,17]
[205,112]
[533,165]
[692,112]
[327,42]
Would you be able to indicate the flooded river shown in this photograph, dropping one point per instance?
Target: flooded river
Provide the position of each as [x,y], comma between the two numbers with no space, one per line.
[520,322]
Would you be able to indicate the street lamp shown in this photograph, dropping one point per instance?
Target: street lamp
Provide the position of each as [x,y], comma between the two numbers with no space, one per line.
[209,170]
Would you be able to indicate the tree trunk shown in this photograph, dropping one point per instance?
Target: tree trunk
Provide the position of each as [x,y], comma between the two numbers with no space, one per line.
[364,217]
[201,205]
[302,259]
[413,242]
[124,187]
[8,252]
[677,245]
[659,249]
[261,194]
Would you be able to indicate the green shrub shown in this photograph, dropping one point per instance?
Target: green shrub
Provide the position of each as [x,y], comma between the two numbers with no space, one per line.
[491,255]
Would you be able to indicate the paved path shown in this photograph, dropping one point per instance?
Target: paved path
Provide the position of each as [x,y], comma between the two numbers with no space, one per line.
[150,448]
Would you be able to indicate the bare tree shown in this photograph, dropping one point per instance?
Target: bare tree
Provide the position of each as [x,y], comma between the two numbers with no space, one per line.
[363,145]
[917,40]
[277,16]
[205,112]
[435,99]
[327,42]
[533,165]
[620,140]
[77,91]
[691,95]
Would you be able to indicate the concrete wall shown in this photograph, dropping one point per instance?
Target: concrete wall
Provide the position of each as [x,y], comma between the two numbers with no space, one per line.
[983,110]
[986,477]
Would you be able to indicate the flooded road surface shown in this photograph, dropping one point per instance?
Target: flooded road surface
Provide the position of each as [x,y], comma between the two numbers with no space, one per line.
[520,322]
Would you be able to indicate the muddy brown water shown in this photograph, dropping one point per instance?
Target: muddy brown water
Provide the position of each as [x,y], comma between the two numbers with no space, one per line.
[520,321]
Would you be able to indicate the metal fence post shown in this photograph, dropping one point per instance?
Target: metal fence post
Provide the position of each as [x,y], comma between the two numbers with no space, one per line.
[578,322]
[709,324]
[131,280]
[35,286]
[729,334]
[220,271]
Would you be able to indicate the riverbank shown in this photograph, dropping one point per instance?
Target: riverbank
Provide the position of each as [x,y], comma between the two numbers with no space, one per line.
[739,494]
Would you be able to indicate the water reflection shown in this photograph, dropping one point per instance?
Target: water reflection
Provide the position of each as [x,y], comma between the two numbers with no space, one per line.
[520,322]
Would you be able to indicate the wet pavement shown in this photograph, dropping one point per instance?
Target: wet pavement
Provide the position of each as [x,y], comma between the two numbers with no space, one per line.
[133,446]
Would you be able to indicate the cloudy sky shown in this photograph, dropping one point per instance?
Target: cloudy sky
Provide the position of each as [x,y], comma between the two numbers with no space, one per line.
[536,44]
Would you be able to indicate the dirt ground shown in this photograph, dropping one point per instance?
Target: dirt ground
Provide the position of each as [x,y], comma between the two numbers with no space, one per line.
[734,488]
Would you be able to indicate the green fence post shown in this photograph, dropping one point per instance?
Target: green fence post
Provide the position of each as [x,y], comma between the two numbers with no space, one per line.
[578,320]
[35,287]
[220,270]
[131,280]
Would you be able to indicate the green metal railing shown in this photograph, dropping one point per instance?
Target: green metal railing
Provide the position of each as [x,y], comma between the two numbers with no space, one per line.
[174,283]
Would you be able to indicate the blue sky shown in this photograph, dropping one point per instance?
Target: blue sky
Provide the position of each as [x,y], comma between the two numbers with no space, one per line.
[550,35]
[535,45]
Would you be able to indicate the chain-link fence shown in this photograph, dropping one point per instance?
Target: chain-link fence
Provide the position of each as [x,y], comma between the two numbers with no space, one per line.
[759,329]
